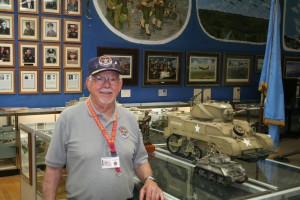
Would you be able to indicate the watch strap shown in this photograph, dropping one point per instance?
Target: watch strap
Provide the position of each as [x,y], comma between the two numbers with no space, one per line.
[150,177]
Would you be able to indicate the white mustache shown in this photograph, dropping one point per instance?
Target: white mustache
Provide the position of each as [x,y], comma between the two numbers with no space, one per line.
[106,90]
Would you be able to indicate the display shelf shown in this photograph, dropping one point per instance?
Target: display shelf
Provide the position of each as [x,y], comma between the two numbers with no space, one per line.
[175,175]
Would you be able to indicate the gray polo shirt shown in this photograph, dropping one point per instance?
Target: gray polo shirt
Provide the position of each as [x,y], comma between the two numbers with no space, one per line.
[79,144]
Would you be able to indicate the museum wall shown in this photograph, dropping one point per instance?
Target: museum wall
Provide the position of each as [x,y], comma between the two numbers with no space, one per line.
[95,34]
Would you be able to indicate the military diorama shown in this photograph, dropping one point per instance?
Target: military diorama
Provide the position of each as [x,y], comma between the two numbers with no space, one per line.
[213,123]
[219,168]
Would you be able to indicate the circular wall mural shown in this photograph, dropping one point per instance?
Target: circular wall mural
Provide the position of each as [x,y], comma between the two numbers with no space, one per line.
[145,21]
[235,20]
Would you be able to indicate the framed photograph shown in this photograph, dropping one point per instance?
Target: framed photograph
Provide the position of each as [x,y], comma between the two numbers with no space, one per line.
[7,27]
[28,27]
[128,61]
[51,81]
[7,52]
[7,5]
[73,81]
[259,61]
[26,155]
[28,6]
[7,81]
[73,7]
[72,56]
[162,68]
[51,7]
[51,55]
[28,81]
[72,30]
[28,54]
[202,68]
[237,70]
[51,29]
[291,67]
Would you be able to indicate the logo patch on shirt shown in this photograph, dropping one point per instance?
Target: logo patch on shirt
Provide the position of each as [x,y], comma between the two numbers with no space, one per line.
[123,132]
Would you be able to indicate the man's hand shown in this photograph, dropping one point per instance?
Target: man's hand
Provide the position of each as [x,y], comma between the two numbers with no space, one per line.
[151,191]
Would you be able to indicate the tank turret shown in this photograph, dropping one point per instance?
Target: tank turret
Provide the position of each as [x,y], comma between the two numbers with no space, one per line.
[190,134]
[213,111]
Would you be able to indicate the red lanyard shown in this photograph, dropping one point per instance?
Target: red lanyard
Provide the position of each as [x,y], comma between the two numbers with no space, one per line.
[110,141]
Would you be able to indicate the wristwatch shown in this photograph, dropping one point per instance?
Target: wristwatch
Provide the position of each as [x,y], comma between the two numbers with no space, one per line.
[151,178]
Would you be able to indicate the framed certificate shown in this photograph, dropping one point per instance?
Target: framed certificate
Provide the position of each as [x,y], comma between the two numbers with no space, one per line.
[73,79]
[51,81]
[28,81]
[7,81]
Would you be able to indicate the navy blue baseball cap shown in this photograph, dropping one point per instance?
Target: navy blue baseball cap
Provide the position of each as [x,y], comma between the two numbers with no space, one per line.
[103,63]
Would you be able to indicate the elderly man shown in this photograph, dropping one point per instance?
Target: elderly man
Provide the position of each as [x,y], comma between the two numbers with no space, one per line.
[100,144]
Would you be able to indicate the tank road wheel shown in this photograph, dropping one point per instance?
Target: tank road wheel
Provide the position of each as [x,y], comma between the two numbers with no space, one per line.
[172,143]
[198,152]
[185,153]
[240,131]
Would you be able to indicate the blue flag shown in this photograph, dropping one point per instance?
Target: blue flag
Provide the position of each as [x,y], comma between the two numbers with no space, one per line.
[270,83]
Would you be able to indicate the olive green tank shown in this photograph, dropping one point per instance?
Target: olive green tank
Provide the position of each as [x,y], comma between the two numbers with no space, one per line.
[212,123]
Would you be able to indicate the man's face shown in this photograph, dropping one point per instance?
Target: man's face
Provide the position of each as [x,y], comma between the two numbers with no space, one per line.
[3,24]
[28,52]
[51,55]
[105,93]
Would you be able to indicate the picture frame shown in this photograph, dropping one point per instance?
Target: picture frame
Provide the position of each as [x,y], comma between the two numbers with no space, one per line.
[128,58]
[7,81]
[51,81]
[51,7]
[202,68]
[51,29]
[28,7]
[7,27]
[237,70]
[72,81]
[73,7]
[28,54]
[51,56]
[72,30]
[7,54]
[28,81]
[7,6]
[162,68]
[259,61]
[72,56]
[291,67]
[28,27]
[26,155]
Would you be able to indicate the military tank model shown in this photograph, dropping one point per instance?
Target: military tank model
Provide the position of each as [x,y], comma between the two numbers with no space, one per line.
[213,123]
[219,168]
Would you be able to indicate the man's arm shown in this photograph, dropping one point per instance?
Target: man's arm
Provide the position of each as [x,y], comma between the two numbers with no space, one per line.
[150,190]
[50,183]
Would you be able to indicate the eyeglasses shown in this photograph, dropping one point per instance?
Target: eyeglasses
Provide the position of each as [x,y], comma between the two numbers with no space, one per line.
[113,80]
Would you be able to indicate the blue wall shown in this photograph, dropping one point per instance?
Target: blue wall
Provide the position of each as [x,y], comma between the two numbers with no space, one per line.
[95,33]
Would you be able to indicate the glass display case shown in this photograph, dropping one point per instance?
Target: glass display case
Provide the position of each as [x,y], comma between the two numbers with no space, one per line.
[175,175]
[9,140]
[8,145]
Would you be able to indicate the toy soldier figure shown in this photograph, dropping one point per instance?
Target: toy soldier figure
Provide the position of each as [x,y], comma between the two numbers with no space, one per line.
[145,128]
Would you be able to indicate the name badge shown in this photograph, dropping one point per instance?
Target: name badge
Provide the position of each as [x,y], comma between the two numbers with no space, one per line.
[110,162]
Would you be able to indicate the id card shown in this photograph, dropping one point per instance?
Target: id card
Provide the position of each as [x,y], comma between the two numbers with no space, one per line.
[110,162]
